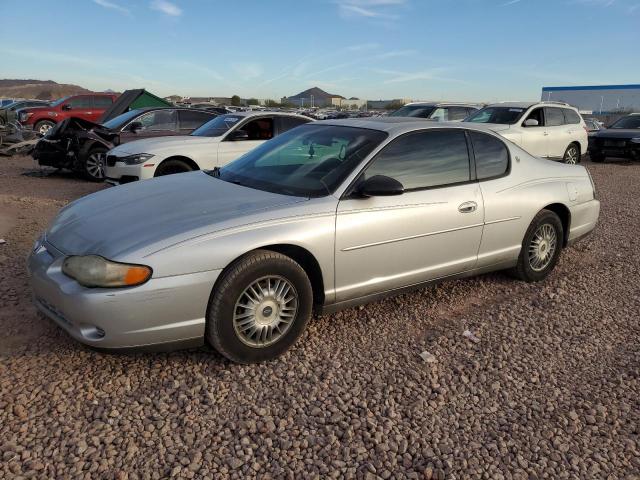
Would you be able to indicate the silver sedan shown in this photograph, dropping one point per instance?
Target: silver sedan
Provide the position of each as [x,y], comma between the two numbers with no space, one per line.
[326,216]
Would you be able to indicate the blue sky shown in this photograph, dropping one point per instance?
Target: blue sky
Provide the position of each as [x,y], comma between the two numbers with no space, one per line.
[483,50]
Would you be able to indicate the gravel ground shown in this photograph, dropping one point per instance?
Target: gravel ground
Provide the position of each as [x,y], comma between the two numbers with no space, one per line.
[550,390]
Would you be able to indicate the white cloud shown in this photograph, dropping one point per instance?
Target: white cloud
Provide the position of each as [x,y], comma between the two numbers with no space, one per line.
[167,8]
[248,71]
[112,6]
[371,9]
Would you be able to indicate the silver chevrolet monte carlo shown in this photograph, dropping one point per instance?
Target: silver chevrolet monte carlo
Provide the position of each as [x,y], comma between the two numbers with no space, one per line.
[326,216]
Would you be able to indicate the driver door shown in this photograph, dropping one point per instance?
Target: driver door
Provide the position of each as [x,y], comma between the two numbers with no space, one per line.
[535,139]
[258,130]
[432,230]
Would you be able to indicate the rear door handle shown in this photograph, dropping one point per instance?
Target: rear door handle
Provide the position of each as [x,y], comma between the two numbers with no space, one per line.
[467,207]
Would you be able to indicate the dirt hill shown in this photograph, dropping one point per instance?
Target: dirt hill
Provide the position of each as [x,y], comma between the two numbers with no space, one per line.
[41,89]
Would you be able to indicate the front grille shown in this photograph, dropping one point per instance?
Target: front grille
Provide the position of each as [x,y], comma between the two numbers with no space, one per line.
[111,160]
[615,143]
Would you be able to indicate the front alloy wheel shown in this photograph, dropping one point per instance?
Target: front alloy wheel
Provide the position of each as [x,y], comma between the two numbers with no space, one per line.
[259,307]
[95,165]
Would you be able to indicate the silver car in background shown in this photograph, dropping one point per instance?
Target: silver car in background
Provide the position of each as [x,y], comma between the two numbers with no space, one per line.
[326,216]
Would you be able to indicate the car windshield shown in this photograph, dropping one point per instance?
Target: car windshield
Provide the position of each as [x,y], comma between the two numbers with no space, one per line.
[59,101]
[118,122]
[501,115]
[217,127]
[418,111]
[630,122]
[307,161]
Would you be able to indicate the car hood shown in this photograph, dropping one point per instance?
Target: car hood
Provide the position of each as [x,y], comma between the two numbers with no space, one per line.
[37,109]
[496,127]
[144,217]
[618,133]
[150,145]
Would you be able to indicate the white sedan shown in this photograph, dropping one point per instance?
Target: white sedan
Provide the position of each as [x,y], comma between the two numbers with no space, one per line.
[214,144]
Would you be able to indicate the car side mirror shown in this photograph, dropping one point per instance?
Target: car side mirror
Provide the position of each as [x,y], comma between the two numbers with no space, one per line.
[531,122]
[66,107]
[135,126]
[380,186]
[239,135]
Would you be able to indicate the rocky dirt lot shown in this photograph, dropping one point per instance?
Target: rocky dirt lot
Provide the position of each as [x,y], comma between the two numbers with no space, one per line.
[551,390]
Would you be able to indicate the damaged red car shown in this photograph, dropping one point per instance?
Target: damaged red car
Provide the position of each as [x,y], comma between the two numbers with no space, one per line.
[80,145]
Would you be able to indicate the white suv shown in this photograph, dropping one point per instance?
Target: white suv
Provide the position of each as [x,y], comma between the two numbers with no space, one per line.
[551,130]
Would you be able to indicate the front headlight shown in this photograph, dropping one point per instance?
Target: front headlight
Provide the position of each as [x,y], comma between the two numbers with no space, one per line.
[635,140]
[95,271]
[136,158]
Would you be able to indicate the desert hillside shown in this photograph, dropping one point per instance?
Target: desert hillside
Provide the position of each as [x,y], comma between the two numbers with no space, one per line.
[41,89]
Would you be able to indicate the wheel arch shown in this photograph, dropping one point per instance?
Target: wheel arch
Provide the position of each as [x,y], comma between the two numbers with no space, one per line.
[303,257]
[565,217]
[182,158]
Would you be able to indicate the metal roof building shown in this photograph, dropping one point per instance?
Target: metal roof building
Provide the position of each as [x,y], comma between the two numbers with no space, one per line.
[597,99]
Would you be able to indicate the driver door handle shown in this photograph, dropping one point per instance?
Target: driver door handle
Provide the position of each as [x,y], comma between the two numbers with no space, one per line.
[467,207]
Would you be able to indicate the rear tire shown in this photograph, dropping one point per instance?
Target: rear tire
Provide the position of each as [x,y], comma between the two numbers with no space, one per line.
[172,166]
[541,247]
[572,155]
[259,307]
[43,126]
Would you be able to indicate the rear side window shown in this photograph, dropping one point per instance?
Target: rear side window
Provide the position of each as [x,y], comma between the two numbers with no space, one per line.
[102,101]
[190,120]
[458,113]
[424,159]
[80,102]
[492,156]
[287,123]
[571,116]
[158,120]
[553,117]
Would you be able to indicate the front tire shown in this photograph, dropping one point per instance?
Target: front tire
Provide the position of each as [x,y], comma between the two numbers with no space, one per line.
[259,307]
[541,247]
[94,163]
[572,155]
[172,166]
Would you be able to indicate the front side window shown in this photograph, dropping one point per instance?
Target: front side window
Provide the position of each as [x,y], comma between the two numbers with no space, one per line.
[499,115]
[440,115]
[457,113]
[553,117]
[491,155]
[158,120]
[259,129]
[538,116]
[424,159]
[308,161]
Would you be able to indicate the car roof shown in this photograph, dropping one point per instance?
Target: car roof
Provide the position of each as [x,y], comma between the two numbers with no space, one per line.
[443,104]
[529,104]
[262,113]
[399,125]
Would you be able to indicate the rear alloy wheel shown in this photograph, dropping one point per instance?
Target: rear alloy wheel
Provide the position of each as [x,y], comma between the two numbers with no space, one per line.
[541,247]
[572,155]
[259,307]
[43,126]
[94,164]
[172,166]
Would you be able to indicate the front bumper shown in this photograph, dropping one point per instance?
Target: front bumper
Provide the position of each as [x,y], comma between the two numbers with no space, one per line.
[615,148]
[118,173]
[164,312]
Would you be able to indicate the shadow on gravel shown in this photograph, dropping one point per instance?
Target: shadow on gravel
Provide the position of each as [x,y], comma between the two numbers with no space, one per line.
[51,173]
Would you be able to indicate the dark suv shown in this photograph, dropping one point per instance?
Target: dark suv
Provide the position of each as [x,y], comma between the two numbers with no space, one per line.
[86,106]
